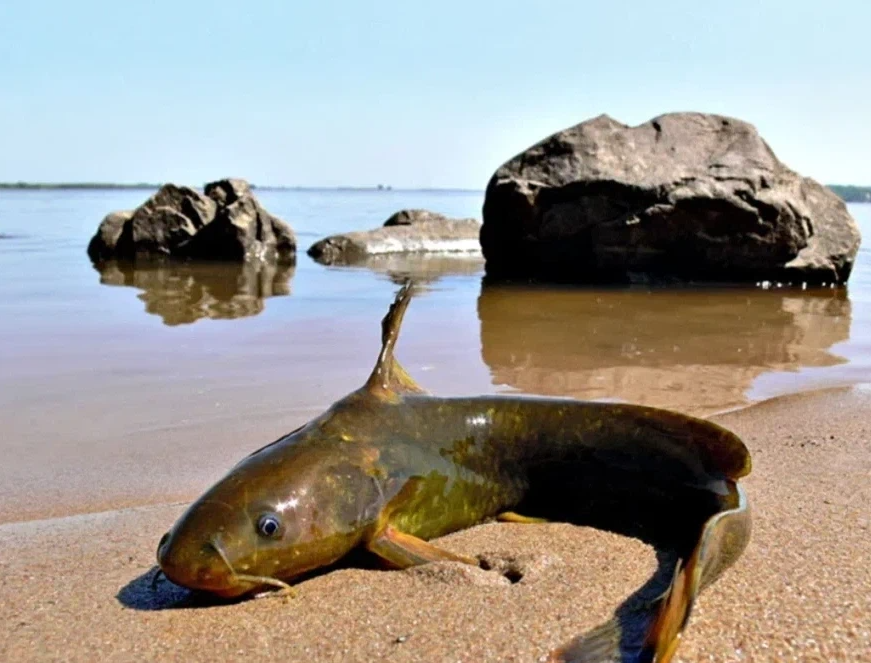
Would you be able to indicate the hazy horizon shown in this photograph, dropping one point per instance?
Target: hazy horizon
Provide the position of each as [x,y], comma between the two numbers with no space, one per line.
[415,97]
[20,184]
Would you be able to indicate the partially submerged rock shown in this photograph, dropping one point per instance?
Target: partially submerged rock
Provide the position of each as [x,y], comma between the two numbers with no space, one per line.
[686,195]
[225,223]
[406,232]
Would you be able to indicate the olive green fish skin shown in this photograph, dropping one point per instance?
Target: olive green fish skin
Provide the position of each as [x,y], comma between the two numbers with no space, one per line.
[434,465]
[390,467]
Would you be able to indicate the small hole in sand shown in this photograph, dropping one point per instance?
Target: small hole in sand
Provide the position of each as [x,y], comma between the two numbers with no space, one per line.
[506,568]
[513,575]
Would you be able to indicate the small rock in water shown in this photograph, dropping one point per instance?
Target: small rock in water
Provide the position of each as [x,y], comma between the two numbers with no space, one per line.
[226,222]
[414,231]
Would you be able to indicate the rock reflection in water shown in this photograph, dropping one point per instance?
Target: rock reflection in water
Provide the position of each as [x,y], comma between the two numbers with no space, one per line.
[695,350]
[422,267]
[184,292]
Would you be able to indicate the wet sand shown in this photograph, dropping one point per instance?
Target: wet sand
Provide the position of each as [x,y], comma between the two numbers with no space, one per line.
[76,588]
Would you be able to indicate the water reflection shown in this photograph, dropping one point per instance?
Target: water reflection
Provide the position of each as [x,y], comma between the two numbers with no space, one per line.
[422,267]
[694,350]
[182,293]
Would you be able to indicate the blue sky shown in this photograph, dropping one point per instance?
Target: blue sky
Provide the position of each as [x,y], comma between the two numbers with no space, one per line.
[412,94]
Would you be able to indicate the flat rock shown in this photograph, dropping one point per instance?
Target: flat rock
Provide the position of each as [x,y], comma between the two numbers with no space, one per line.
[406,232]
[686,196]
[225,223]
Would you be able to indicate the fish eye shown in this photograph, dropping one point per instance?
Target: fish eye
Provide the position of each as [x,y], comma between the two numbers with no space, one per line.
[269,525]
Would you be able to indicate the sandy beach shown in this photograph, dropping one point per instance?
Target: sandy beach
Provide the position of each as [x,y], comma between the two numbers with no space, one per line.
[77,588]
[212,219]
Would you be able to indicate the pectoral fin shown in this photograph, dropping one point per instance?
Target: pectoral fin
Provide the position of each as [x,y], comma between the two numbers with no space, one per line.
[404,550]
[511,517]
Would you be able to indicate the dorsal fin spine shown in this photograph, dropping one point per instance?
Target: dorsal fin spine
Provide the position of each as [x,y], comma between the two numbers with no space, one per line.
[388,375]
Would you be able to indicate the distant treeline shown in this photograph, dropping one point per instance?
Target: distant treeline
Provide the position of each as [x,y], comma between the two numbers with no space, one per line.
[848,192]
[852,194]
[75,185]
[145,185]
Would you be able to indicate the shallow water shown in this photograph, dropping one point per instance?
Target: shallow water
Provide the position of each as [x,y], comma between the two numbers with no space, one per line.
[125,387]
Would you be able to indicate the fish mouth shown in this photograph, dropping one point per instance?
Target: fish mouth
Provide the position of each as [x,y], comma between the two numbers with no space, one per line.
[247,583]
[217,575]
[205,569]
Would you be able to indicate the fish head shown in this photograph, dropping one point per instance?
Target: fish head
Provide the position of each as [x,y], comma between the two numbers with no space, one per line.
[276,515]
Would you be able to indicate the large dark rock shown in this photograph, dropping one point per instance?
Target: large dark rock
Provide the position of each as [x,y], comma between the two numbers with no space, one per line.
[406,232]
[686,195]
[227,223]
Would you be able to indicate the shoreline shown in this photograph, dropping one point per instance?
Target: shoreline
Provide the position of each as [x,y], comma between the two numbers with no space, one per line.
[801,591]
[145,413]
[181,496]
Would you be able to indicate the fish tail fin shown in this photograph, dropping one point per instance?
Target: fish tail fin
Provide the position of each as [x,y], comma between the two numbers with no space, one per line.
[672,616]
[388,375]
[723,539]
[651,632]
[646,634]
[601,645]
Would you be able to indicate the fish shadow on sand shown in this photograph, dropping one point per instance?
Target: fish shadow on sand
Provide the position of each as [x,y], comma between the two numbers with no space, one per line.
[143,593]
[148,592]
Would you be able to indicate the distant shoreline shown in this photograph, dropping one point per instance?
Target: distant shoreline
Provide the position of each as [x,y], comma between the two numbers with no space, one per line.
[847,192]
[850,193]
[75,185]
[110,186]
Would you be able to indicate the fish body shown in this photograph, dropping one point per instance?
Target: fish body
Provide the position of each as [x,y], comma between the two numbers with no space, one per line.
[390,467]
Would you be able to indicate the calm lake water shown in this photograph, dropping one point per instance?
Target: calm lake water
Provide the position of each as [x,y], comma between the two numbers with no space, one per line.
[128,387]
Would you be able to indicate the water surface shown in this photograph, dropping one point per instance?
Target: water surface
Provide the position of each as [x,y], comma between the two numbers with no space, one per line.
[122,386]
